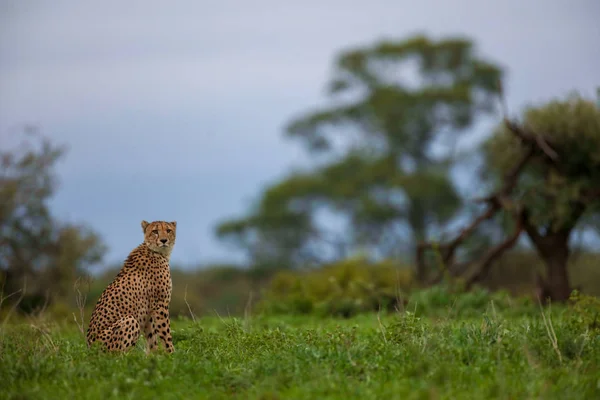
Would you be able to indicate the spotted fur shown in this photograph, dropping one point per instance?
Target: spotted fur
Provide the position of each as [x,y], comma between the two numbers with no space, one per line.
[138,298]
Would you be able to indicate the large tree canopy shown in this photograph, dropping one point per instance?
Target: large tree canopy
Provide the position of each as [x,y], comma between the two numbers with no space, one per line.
[380,168]
[561,181]
[406,93]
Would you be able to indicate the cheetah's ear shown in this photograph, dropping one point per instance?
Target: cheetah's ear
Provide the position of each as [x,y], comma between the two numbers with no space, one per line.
[145,225]
[174,223]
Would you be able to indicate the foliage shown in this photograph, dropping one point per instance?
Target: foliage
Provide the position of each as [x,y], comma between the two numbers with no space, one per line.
[401,355]
[38,255]
[380,174]
[586,311]
[550,192]
[557,191]
[272,237]
[354,286]
[343,288]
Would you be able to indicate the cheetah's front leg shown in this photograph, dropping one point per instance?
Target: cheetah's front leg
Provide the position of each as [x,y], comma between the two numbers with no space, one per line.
[159,325]
[149,333]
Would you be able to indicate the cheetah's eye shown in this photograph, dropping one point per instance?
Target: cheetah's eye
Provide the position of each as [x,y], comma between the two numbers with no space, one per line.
[169,231]
[155,231]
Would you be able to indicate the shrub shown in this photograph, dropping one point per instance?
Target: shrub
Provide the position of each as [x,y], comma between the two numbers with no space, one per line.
[586,311]
[344,288]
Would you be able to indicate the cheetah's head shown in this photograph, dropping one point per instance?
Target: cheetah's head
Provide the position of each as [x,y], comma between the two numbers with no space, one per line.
[159,236]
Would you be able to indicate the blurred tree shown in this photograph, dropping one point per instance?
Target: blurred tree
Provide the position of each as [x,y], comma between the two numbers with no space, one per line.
[74,249]
[558,189]
[547,171]
[378,151]
[37,252]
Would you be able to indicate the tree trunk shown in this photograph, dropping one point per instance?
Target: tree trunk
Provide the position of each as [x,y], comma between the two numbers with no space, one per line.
[553,248]
[556,284]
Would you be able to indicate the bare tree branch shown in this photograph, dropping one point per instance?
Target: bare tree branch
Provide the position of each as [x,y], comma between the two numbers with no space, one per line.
[482,267]
[530,138]
[496,202]
[447,250]
[526,136]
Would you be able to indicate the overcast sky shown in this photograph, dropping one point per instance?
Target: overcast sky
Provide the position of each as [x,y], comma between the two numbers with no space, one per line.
[174,110]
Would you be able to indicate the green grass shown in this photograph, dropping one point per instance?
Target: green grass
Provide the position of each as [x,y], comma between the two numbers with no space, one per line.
[302,357]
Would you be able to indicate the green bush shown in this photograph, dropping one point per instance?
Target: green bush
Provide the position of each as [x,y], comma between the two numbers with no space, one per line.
[354,285]
[344,289]
[586,311]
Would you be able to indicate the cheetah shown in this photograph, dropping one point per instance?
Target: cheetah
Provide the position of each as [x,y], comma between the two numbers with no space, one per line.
[138,298]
